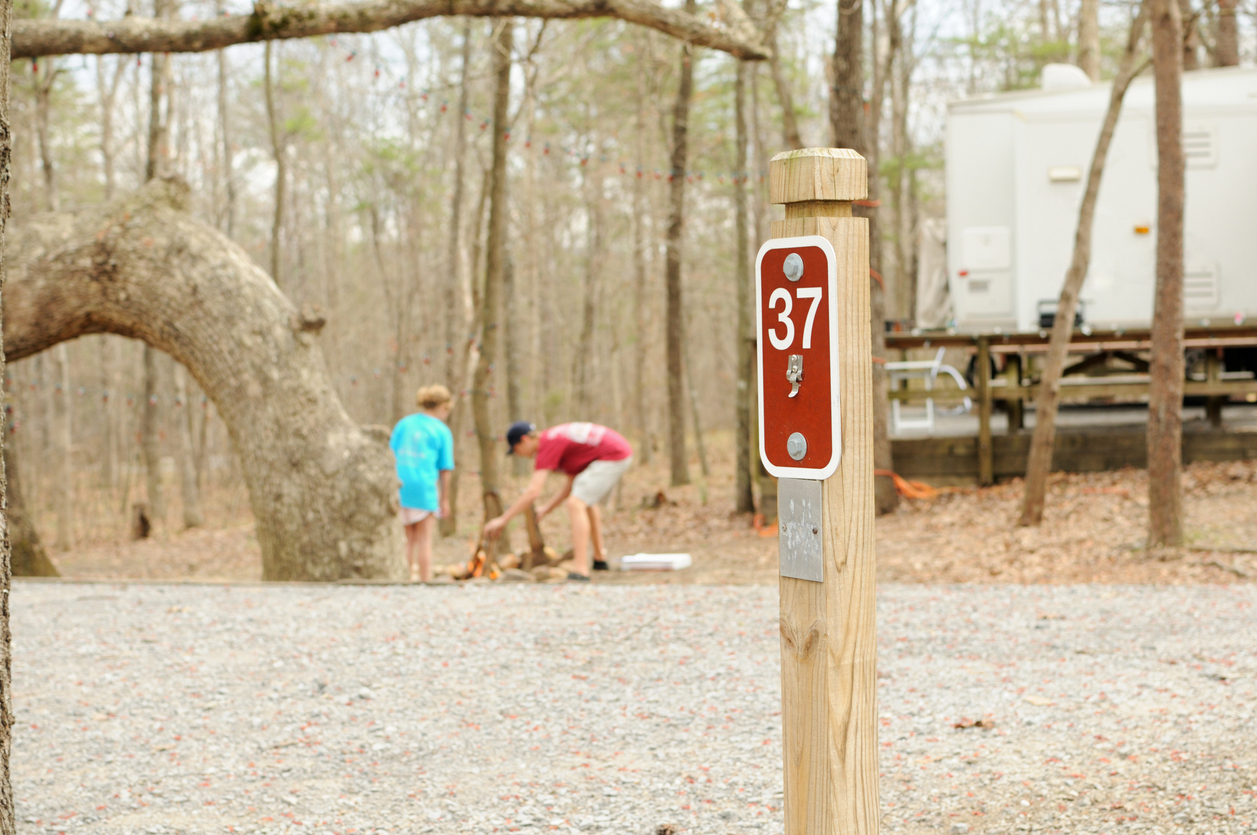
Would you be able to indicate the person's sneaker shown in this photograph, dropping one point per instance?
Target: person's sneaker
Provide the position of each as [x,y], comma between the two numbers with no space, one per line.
[601,565]
[573,577]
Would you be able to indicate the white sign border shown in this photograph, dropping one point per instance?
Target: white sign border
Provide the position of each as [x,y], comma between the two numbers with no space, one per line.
[834,380]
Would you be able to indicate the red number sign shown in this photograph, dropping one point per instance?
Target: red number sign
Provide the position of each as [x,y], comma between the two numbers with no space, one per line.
[796,315]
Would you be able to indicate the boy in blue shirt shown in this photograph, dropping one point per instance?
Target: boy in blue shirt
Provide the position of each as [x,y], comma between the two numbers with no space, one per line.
[424,449]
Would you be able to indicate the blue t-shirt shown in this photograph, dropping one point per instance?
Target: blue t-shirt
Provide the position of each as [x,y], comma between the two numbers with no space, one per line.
[423,447]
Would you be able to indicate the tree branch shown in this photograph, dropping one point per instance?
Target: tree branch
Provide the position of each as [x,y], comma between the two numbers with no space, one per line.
[33,38]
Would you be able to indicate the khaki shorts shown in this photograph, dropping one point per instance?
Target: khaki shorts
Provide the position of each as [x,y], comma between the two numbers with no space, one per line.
[413,515]
[596,481]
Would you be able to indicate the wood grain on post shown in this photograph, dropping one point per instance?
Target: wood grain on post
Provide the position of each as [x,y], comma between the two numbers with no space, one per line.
[828,630]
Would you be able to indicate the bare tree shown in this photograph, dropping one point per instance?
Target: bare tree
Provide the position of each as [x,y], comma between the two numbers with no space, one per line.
[1044,440]
[135,34]
[458,347]
[1166,370]
[789,119]
[1089,38]
[224,129]
[189,490]
[150,441]
[45,79]
[275,129]
[1191,36]
[675,317]
[1226,50]
[594,258]
[322,489]
[495,254]
[63,431]
[743,495]
[846,121]
[641,208]
[8,822]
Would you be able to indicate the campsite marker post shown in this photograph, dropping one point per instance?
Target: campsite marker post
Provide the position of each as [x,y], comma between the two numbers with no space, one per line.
[816,435]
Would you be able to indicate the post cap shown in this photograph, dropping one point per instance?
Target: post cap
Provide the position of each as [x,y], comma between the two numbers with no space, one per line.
[817,174]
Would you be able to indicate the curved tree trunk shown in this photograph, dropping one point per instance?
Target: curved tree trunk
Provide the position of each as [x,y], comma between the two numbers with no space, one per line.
[322,489]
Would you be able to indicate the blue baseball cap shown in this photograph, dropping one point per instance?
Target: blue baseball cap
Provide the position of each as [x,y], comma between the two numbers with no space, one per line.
[516,433]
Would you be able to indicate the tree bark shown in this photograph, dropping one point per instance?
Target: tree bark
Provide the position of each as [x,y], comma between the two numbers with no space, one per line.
[759,191]
[1166,372]
[675,316]
[158,129]
[29,558]
[1089,39]
[1042,443]
[583,361]
[789,121]
[454,329]
[495,251]
[269,22]
[322,489]
[45,78]
[150,440]
[1226,49]
[458,345]
[8,822]
[846,121]
[692,390]
[63,431]
[900,174]
[1191,37]
[224,126]
[277,148]
[744,350]
[641,301]
[111,429]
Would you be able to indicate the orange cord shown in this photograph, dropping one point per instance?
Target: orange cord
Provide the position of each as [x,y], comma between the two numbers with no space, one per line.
[909,489]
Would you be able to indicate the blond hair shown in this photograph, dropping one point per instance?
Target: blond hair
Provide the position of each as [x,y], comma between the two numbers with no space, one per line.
[432,397]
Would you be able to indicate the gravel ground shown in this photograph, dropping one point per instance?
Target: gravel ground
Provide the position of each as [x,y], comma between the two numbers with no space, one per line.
[615,709]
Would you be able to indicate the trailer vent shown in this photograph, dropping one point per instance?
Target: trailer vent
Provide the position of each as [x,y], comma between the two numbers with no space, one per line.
[1200,288]
[1200,144]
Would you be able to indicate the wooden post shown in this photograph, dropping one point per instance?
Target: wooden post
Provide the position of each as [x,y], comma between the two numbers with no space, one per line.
[1213,373]
[828,629]
[982,378]
[1012,382]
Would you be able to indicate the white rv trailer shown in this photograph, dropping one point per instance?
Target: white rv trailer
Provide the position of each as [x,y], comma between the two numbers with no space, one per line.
[1016,168]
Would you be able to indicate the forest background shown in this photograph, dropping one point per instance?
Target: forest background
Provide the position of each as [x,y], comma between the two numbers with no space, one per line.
[337,163]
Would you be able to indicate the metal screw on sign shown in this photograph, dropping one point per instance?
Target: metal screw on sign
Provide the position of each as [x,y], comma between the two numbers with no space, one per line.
[793,268]
[796,445]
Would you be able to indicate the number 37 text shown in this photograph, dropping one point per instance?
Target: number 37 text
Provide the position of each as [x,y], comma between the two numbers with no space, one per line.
[781,294]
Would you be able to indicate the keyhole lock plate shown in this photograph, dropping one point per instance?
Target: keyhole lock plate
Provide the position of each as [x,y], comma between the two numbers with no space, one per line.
[794,372]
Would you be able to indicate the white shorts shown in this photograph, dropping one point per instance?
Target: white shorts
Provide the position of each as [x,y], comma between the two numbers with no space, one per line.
[596,481]
[413,516]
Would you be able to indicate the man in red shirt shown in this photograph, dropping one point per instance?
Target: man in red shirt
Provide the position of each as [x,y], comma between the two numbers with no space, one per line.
[593,458]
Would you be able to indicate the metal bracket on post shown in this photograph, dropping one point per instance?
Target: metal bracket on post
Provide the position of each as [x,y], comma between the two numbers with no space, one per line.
[799,512]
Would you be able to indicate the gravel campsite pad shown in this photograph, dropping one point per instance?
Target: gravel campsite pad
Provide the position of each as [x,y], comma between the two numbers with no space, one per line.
[163,709]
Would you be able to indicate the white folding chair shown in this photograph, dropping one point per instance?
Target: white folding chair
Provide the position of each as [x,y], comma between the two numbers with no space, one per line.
[928,371]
